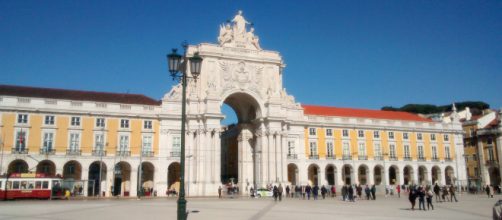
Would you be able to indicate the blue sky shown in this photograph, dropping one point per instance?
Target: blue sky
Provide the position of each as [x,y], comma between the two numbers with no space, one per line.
[361,54]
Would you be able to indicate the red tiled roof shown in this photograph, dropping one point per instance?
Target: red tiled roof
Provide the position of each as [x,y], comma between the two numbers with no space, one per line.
[35,92]
[361,113]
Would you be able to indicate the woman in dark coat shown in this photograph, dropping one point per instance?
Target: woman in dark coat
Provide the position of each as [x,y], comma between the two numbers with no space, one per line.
[412,197]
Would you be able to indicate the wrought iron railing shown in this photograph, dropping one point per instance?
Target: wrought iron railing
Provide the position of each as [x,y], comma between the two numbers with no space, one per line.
[362,157]
[147,153]
[73,152]
[330,157]
[123,153]
[293,156]
[19,150]
[98,152]
[45,151]
[313,157]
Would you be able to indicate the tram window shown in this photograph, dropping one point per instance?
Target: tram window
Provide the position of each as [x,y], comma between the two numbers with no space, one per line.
[24,184]
[1,184]
[38,184]
[15,185]
[45,184]
[9,185]
[31,184]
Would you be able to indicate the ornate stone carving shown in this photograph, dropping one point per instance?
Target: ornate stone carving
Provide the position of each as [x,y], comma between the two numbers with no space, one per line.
[235,34]
[240,75]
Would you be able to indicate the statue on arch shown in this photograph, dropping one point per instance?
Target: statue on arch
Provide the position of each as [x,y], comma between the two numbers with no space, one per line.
[225,34]
[239,24]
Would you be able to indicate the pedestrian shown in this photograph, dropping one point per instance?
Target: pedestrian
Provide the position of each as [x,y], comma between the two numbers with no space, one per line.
[373,191]
[429,199]
[287,191]
[491,191]
[452,194]
[487,190]
[398,189]
[445,194]
[359,189]
[333,191]
[308,190]
[315,191]
[351,193]
[280,192]
[344,192]
[412,197]
[251,192]
[386,191]
[436,191]
[275,193]
[421,198]
[368,192]
[304,189]
[219,192]
[323,192]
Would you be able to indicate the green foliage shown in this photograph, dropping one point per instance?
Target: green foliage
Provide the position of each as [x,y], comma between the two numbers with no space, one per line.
[431,109]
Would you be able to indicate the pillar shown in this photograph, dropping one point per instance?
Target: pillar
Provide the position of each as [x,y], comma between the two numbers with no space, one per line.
[485,177]
[133,182]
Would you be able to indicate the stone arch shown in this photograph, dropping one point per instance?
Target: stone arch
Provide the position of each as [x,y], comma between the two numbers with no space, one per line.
[241,102]
[98,180]
[363,174]
[147,176]
[122,179]
[293,174]
[449,175]
[436,175]
[408,175]
[378,174]
[173,176]
[423,177]
[18,166]
[72,170]
[331,174]
[394,175]
[313,174]
[347,174]
[46,167]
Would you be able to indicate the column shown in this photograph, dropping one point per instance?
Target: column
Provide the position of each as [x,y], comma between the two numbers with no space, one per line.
[429,175]
[271,156]
[485,177]
[264,159]
[370,176]
[245,160]
[160,178]
[283,164]
[400,176]
[277,157]
[415,175]
[355,175]
[133,181]
[217,158]
[258,160]
[321,177]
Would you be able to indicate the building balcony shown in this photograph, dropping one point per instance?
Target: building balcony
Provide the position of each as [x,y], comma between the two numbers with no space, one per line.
[123,153]
[44,151]
[362,157]
[330,157]
[99,153]
[73,152]
[378,158]
[346,157]
[407,158]
[175,154]
[147,153]
[393,158]
[448,159]
[293,156]
[421,159]
[19,151]
[435,159]
[314,157]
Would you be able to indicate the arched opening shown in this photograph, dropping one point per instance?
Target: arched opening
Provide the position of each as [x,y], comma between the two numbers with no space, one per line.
[436,175]
[449,175]
[494,173]
[97,179]
[72,170]
[145,178]
[393,175]
[239,156]
[293,174]
[18,166]
[313,174]
[173,176]
[377,175]
[422,175]
[408,175]
[122,179]
[331,174]
[363,174]
[347,174]
[46,167]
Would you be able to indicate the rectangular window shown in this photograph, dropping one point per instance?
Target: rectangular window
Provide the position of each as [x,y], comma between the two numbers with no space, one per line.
[312,131]
[362,149]
[176,146]
[49,120]
[313,148]
[329,132]
[419,136]
[376,134]
[446,137]
[48,141]
[392,151]
[75,121]
[124,143]
[147,144]
[407,151]
[360,133]
[291,147]
[22,119]
[391,135]
[346,149]
[329,149]
[20,140]
[405,136]
[378,149]
[345,132]
[147,125]
[124,123]
[433,137]
[100,122]
[99,142]
[74,141]
[420,152]
[447,152]
[434,153]
[475,157]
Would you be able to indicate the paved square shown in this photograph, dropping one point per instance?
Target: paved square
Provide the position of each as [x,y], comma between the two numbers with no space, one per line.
[469,207]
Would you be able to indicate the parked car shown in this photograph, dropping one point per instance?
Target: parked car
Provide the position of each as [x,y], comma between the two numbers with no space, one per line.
[262,192]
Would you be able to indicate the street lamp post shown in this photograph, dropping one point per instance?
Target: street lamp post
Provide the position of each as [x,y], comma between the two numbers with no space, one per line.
[178,68]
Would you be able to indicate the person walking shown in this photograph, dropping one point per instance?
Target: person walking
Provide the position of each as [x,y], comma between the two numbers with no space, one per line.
[491,191]
[315,191]
[280,192]
[421,198]
[308,190]
[344,192]
[436,191]
[373,191]
[368,192]
[219,192]
[287,191]
[359,190]
[333,191]
[429,199]
[445,194]
[304,189]
[323,191]
[351,193]
[452,194]
[412,197]
[275,192]
[398,189]
[487,190]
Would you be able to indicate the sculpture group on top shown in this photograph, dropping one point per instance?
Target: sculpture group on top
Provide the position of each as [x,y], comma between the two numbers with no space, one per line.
[235,34]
